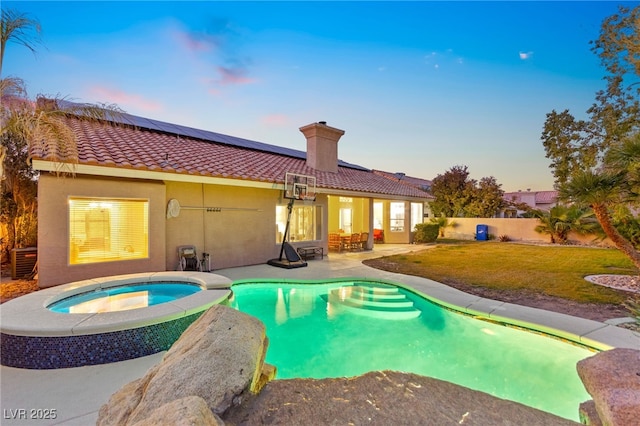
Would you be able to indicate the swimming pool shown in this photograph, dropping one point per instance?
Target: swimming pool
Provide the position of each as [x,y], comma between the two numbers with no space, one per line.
[313,334]
[125,297]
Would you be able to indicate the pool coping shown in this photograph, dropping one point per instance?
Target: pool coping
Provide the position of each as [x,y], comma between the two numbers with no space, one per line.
[28,315]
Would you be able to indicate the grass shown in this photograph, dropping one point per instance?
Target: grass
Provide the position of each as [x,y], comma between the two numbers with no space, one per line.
[552,270]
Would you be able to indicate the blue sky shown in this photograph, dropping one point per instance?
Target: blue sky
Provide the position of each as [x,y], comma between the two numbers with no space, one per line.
[418,87]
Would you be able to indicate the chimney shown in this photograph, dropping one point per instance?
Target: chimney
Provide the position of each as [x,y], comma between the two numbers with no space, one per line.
[322,146]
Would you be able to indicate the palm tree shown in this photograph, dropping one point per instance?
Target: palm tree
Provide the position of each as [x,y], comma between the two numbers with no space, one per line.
[443,223]
[26,124]
[561,220]
[602,191]
[18,27]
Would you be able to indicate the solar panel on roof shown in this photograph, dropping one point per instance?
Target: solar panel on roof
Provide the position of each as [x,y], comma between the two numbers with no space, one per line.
[206,135]
[226,139]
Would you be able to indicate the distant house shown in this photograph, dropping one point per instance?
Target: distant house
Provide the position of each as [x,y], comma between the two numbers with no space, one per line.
[539,200]
[142,188]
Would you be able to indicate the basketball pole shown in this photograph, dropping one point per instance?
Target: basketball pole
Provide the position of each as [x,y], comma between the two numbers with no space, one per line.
[286,229]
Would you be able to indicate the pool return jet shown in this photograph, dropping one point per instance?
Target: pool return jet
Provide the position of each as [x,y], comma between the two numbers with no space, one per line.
[296,187]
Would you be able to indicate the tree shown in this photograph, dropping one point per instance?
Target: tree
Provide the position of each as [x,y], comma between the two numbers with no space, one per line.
[561,220]
[443,223]
[488,199]
[596,161]
[25,123]
[456,195]
[452,191]
[18,27]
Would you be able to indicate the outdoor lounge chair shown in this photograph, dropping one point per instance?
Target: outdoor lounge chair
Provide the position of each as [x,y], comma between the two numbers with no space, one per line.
[188,259]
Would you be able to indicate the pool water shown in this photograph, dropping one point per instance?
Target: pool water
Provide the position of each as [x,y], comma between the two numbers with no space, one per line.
[122,298]
[311,336]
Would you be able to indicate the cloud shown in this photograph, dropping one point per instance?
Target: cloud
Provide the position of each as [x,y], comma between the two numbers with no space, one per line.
[133,100]
[218,34]
[526,55]
[277,120]
[231,76]
[193,42]
[216,50]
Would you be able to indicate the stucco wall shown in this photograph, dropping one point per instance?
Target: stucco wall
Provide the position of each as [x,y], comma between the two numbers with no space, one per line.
[360,210]
[516,229]
[53,227]
[232,238]
[396,237]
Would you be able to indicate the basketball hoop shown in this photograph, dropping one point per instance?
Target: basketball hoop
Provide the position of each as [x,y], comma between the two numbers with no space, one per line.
[299,187]
[308,196]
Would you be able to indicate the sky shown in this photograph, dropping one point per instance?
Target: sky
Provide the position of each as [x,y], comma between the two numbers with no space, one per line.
[418,87]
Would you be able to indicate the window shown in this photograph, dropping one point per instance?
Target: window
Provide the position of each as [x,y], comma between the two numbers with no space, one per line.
[106,230]
[305,224]
[416,215]
[346,220]
[378,216]
[397,217]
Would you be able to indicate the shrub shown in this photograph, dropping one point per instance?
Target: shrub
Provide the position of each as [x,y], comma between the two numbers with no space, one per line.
[633,305]
[504,238]
[426,233]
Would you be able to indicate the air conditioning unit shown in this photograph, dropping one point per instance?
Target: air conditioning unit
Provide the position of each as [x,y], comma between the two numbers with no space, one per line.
[23,260]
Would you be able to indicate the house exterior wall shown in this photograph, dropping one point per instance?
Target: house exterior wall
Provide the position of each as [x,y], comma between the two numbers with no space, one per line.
[361,211]
[231,237]
[53,226]
[397,237]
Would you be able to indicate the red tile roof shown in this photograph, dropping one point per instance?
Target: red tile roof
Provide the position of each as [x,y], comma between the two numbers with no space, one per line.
[122,146]
[546,197]
[421,184]
[540,197]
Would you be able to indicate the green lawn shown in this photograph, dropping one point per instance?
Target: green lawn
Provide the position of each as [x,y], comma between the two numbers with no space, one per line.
[553,270]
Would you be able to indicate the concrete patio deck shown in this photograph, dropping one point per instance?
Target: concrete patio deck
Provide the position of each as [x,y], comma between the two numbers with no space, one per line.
[76,394]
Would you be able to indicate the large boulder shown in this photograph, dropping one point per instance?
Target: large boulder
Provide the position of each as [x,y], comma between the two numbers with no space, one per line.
[219,358]
[188,411]
[381,398]
[612,378]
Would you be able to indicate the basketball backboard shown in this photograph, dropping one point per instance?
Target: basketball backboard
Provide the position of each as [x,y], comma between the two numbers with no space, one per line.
[299,187]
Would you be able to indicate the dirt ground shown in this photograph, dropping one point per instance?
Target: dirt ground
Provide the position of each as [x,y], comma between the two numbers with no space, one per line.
[10,289]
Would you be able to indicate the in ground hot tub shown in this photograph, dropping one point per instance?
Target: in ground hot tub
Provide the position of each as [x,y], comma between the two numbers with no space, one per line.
[36,337]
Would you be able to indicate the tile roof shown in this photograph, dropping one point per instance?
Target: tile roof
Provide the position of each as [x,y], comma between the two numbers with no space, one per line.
[540,197]
[139,148]
[421,184]
[546,197]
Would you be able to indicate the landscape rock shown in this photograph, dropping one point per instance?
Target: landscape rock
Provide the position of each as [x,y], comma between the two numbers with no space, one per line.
[612,378]
[219,358]
[589,415]
[189,411]
[381,398]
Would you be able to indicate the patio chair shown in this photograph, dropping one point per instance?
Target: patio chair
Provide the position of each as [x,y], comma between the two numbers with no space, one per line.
[335,242]
[364,238]
[354,244]
[188,259]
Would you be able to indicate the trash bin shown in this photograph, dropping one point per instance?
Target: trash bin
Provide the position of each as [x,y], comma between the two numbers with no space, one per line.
[482,232]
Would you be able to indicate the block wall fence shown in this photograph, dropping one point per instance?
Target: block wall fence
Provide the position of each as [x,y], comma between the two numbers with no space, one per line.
[516,229]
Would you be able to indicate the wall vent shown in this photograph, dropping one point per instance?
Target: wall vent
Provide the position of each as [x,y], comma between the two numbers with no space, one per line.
[23,260]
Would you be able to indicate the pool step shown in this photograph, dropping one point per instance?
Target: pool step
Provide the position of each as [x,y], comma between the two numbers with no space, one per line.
[372,301]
